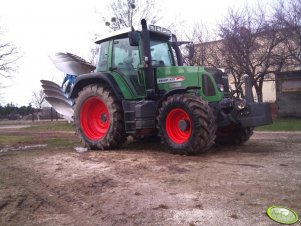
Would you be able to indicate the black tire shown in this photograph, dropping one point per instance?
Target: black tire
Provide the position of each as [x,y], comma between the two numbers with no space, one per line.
[186,124]
[98,118]
[233,135]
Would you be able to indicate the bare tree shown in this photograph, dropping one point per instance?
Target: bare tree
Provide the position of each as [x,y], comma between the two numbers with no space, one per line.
[8,56]
[38,99]
[198,37]
[128,13]
[250,45]
[287,17]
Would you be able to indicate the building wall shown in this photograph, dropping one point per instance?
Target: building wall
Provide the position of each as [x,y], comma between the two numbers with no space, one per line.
[288,94]
[269,91]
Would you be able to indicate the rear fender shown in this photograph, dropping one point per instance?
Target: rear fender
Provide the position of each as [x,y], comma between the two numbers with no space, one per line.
[94,78]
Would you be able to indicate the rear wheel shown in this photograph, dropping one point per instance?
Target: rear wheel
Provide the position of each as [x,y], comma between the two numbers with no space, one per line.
[186,124]
[98,118]
[233,135]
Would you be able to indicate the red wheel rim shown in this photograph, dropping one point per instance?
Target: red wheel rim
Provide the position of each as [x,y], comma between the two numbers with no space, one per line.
[174,131]
[94,118]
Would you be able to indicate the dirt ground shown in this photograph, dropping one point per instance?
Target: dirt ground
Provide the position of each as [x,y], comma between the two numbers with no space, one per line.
[142,184]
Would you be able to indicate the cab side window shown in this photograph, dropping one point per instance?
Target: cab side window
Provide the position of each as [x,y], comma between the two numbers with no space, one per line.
[102,64]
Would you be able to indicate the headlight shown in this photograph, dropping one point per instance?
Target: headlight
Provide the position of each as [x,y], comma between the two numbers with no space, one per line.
[220,87]
[152,27]
[242,104]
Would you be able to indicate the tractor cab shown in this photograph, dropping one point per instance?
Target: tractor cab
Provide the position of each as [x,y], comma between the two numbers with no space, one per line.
[136,58]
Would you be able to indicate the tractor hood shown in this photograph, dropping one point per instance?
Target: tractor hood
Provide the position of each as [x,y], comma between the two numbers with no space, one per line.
[71,64]
[179,76]
[176,77]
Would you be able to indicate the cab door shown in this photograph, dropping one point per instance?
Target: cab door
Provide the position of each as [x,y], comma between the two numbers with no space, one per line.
[126,61]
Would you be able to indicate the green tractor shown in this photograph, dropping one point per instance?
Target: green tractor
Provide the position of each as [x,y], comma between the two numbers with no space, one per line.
[141,88]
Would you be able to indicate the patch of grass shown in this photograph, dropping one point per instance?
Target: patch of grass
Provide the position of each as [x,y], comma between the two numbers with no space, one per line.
[43,133]
[6,139]
[282,125]
[61,143]
[50,126]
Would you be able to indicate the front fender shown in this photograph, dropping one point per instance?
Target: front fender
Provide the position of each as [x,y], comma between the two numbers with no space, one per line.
[175,91]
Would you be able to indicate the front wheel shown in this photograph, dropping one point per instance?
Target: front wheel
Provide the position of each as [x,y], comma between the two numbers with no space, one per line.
[186,124]
[98,118]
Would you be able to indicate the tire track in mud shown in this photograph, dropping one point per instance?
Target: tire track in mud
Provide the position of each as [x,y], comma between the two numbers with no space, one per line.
[33,193]
[141,185]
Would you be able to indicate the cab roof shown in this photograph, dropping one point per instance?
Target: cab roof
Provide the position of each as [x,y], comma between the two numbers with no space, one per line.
[115,34]
[122,33]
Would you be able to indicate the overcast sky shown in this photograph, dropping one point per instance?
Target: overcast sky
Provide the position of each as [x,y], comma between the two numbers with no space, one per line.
[42,27]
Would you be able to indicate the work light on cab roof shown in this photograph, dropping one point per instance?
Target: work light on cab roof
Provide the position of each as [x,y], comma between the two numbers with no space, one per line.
[160,29]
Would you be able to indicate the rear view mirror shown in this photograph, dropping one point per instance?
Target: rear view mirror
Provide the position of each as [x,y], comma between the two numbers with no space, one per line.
[134,38]
[190,51]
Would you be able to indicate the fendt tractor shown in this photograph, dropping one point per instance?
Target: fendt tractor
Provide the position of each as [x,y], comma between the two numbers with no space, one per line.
[141,88]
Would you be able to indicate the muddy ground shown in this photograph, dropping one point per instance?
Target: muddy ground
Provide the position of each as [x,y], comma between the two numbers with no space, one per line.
[141,184]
